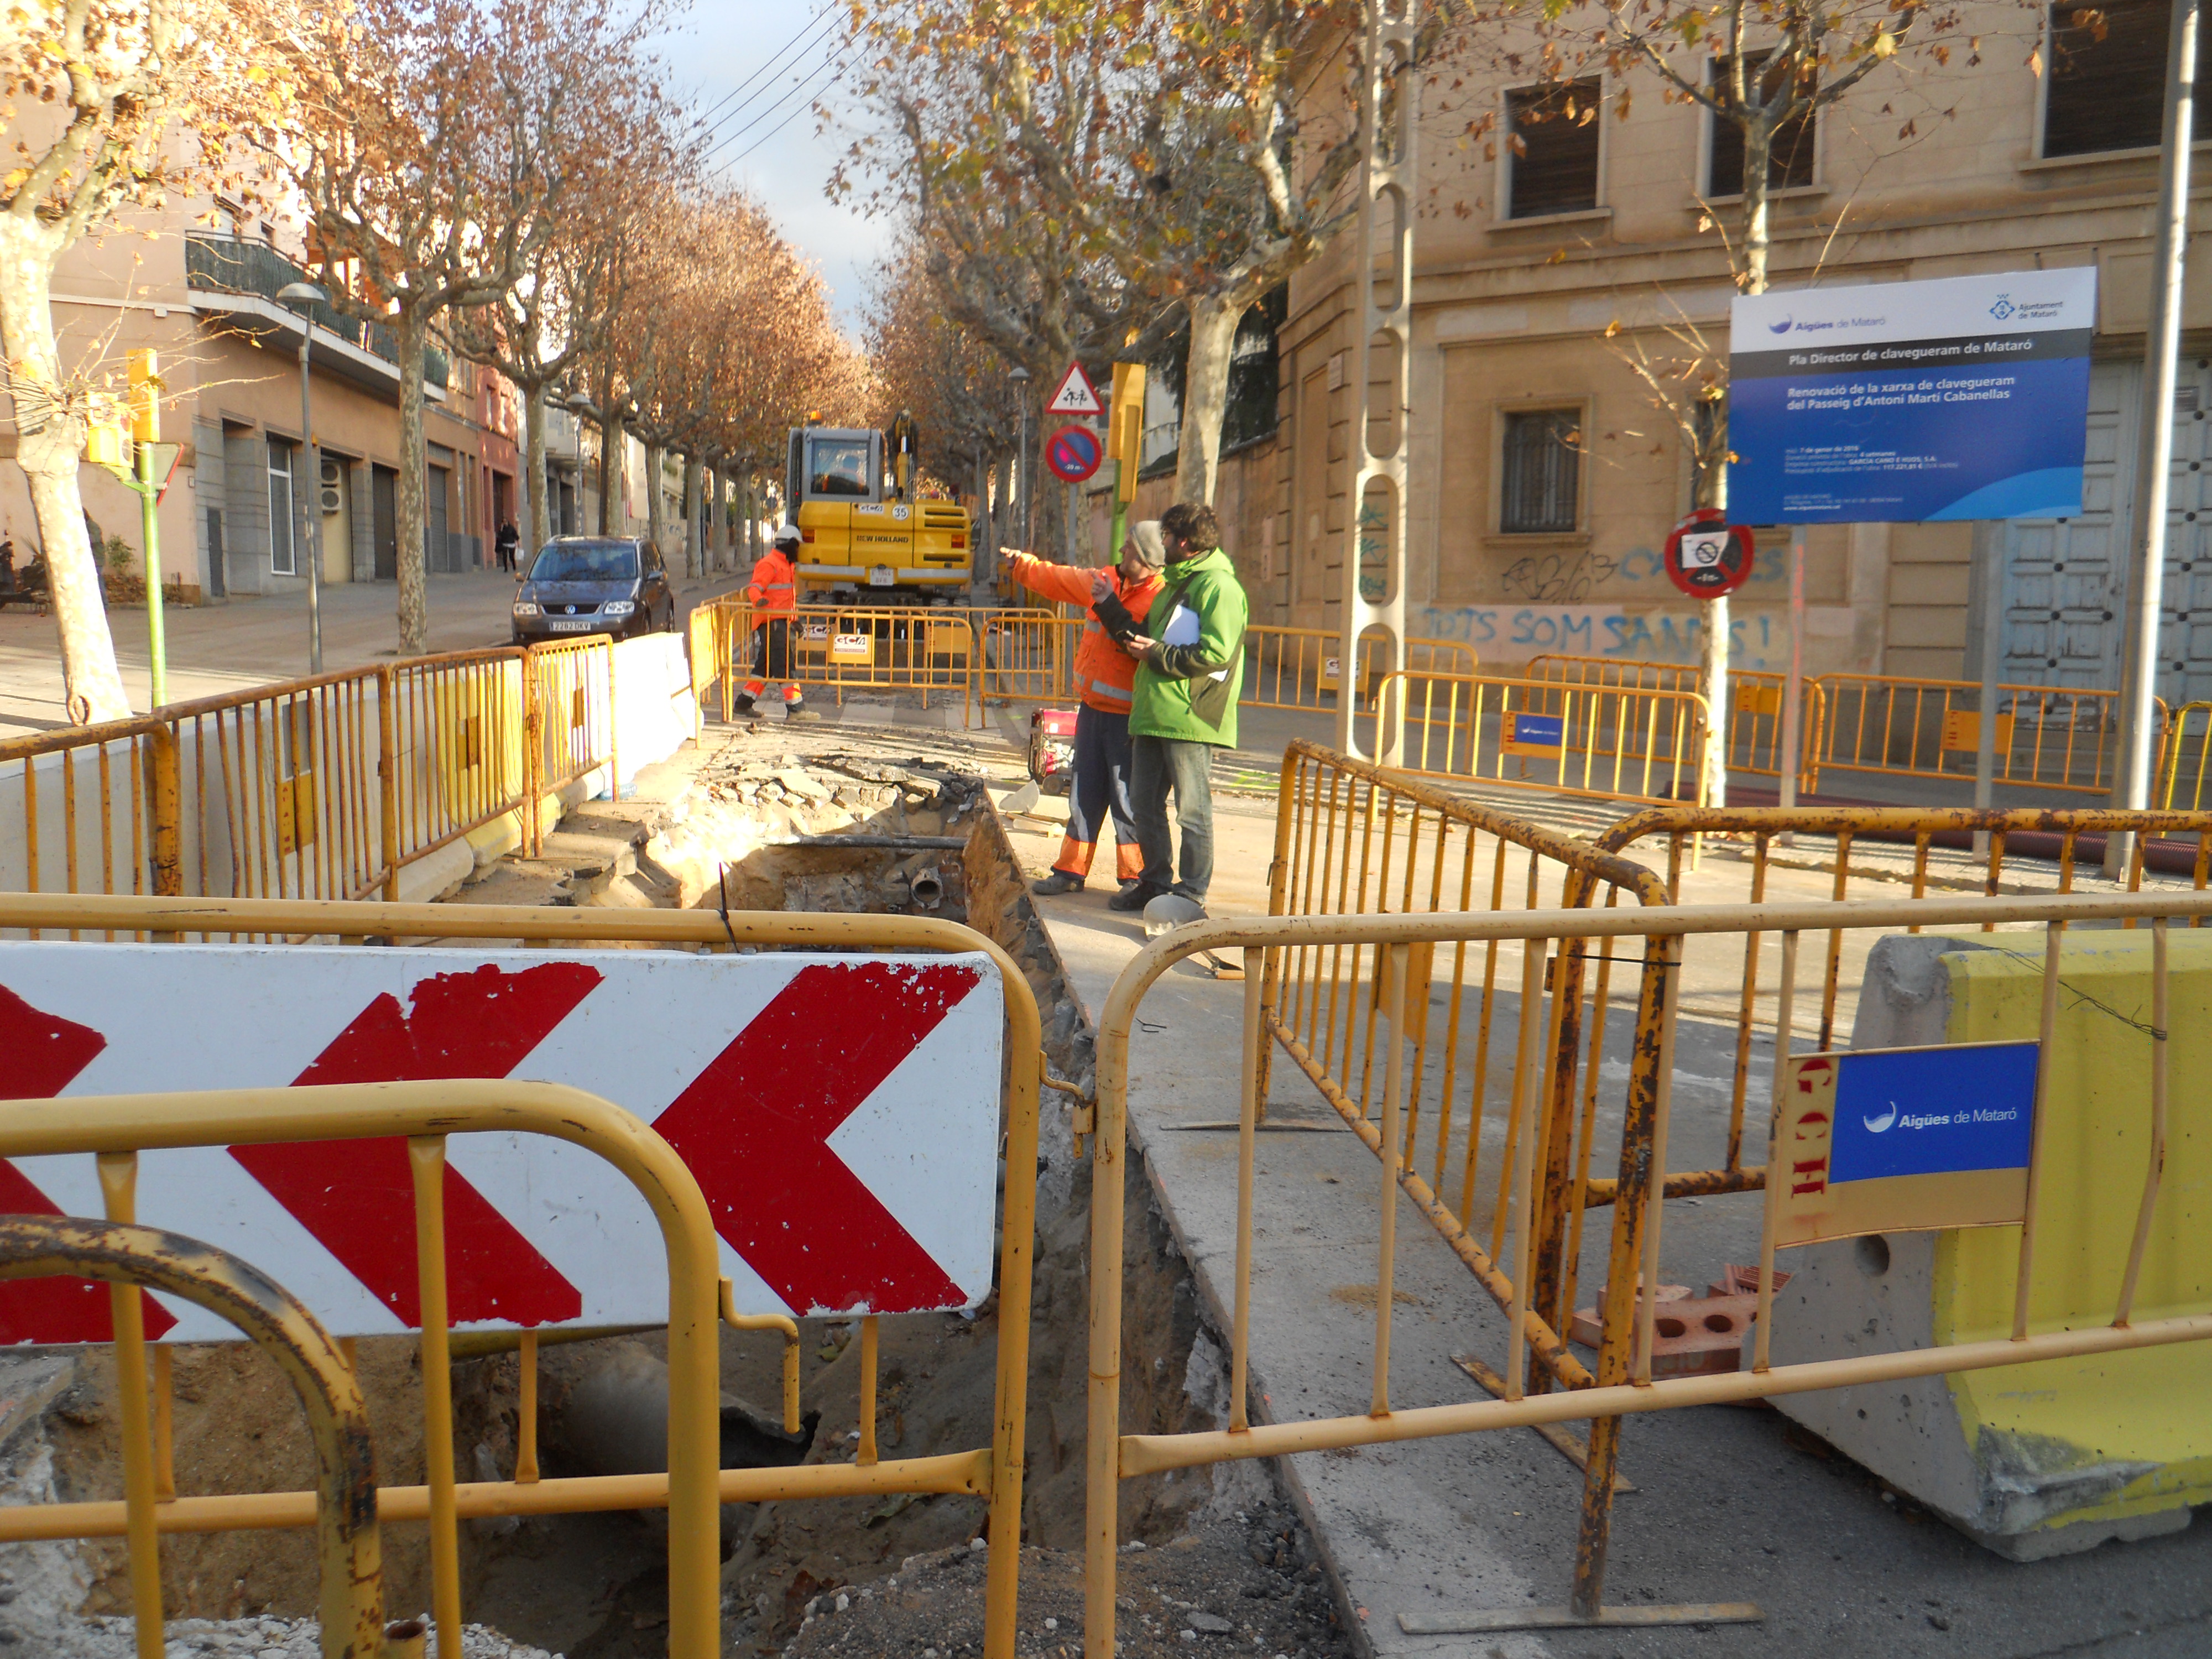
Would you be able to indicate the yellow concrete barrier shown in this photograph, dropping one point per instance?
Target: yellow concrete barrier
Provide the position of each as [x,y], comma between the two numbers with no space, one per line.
[2062,1453]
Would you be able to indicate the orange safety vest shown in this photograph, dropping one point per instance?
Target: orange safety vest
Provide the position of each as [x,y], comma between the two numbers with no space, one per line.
[1105,674]
[775,586]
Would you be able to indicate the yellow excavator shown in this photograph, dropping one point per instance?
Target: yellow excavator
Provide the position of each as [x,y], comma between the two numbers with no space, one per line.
[865,536]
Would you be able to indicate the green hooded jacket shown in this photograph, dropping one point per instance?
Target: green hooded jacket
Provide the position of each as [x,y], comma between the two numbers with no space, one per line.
[1187,684]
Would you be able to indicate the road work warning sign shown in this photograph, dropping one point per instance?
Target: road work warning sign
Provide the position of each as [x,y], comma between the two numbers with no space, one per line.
[839,1113]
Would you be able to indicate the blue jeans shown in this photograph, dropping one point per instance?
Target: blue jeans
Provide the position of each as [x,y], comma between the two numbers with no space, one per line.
[1158,765]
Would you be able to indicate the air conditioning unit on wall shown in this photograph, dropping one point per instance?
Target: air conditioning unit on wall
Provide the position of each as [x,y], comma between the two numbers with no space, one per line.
[331,501]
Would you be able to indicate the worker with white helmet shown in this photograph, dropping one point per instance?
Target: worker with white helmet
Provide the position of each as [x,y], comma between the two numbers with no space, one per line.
[773,592]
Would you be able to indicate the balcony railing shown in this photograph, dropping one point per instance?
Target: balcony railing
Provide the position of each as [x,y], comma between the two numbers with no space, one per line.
[227,264]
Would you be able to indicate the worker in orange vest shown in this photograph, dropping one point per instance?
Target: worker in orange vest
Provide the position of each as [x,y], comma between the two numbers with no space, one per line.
[773,595]
[1118,598]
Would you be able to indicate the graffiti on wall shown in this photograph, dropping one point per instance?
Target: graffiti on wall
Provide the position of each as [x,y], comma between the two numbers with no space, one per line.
[1550,611]
[1516,633]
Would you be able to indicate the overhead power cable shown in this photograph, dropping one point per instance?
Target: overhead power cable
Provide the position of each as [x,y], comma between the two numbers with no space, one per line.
[804,38]
[765,65]
[806,94]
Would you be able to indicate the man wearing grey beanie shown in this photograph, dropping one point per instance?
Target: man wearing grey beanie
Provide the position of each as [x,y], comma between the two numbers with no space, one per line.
[1118,598]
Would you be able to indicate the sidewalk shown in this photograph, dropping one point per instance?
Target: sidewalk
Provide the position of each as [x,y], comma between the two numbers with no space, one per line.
[1731,1505]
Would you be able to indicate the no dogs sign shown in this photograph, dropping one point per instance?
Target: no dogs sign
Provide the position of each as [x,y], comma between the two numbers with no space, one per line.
[1708,558]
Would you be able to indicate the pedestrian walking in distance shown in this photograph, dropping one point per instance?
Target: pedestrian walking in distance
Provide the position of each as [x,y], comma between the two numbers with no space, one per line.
[773,592]
[507,541]
[1118,598]
[1190,668]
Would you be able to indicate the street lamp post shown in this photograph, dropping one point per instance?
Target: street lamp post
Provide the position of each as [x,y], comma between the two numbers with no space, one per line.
[302,297]
[1020,377]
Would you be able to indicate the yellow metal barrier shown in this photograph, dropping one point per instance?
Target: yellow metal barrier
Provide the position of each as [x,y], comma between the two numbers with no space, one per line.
[428,1111]
[351,1578]
[1616,743]
[326,787]
[2054,836]
[458,740]
[2186,758]
[924,648]
[1028,655]
[1354,839]
[569,728]
[2046,1321]
[702,651]
[1302,668]
[119,1127]
[2053,737]
[1755,702]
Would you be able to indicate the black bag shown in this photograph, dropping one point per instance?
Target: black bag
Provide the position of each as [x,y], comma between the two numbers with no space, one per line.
[1113,616]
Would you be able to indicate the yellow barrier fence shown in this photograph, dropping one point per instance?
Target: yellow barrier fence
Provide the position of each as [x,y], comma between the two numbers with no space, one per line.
[1616,743]
[1302,668]
[1028,655]
[842,648]
[458,740]
[2188,757]
[571,688]
[1354,839]
[2049,1311]
[2053,737]
[350,1604]
[326,788]
[2057,842]
[1754,701]
[702,650]
[426,1112]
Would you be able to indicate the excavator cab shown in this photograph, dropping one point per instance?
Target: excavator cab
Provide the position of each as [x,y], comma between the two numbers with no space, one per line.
[864,535]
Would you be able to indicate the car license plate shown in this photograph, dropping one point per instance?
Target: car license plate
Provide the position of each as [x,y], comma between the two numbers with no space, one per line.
[569,625]
[882,575]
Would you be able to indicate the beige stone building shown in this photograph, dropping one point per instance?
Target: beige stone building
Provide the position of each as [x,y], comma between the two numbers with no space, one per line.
[1544,481]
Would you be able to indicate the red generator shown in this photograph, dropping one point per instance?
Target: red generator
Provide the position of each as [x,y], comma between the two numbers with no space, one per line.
[1051,749]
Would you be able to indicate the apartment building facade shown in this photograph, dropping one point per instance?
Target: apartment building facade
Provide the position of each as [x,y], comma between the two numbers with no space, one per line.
[1544,480]
[197,284]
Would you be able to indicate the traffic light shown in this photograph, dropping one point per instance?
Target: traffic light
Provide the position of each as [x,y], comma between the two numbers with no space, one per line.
[145,397]
[1125,426]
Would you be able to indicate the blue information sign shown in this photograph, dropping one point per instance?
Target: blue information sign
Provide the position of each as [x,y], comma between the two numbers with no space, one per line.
[1904,403]
[1934,1111]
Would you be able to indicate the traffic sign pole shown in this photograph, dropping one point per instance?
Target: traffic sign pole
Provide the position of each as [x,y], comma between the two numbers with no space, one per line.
[1125,434]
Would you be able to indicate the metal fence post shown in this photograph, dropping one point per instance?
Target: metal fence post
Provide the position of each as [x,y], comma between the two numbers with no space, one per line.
[533,757]
[387,780]
[1638,1184]
[165,806]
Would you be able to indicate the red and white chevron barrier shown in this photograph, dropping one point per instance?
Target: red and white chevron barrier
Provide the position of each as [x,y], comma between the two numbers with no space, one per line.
[841,1114]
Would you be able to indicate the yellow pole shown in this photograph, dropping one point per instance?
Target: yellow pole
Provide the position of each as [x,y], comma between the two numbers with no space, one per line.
[426,1157]
[119,1186]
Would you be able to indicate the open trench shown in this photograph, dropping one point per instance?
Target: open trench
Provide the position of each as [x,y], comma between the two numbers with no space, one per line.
[752,828]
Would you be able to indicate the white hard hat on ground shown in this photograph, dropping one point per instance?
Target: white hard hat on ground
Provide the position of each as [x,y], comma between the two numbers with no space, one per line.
[1171,911]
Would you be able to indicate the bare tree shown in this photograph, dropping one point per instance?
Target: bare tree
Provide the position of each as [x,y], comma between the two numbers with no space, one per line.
[91,91]
[609,180]
[428,144]
[923,362]
[1765,70]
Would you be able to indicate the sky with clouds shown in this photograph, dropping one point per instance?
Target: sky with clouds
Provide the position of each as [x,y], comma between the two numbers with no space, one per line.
[754,70]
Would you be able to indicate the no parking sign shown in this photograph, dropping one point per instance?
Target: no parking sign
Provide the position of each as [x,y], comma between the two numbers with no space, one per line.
[1073,454]
[1707,556]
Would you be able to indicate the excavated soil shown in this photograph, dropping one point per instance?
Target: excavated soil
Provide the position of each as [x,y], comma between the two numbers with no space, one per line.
[1224,1550]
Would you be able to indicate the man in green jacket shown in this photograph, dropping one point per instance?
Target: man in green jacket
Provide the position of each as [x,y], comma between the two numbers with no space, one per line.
[1190,666]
